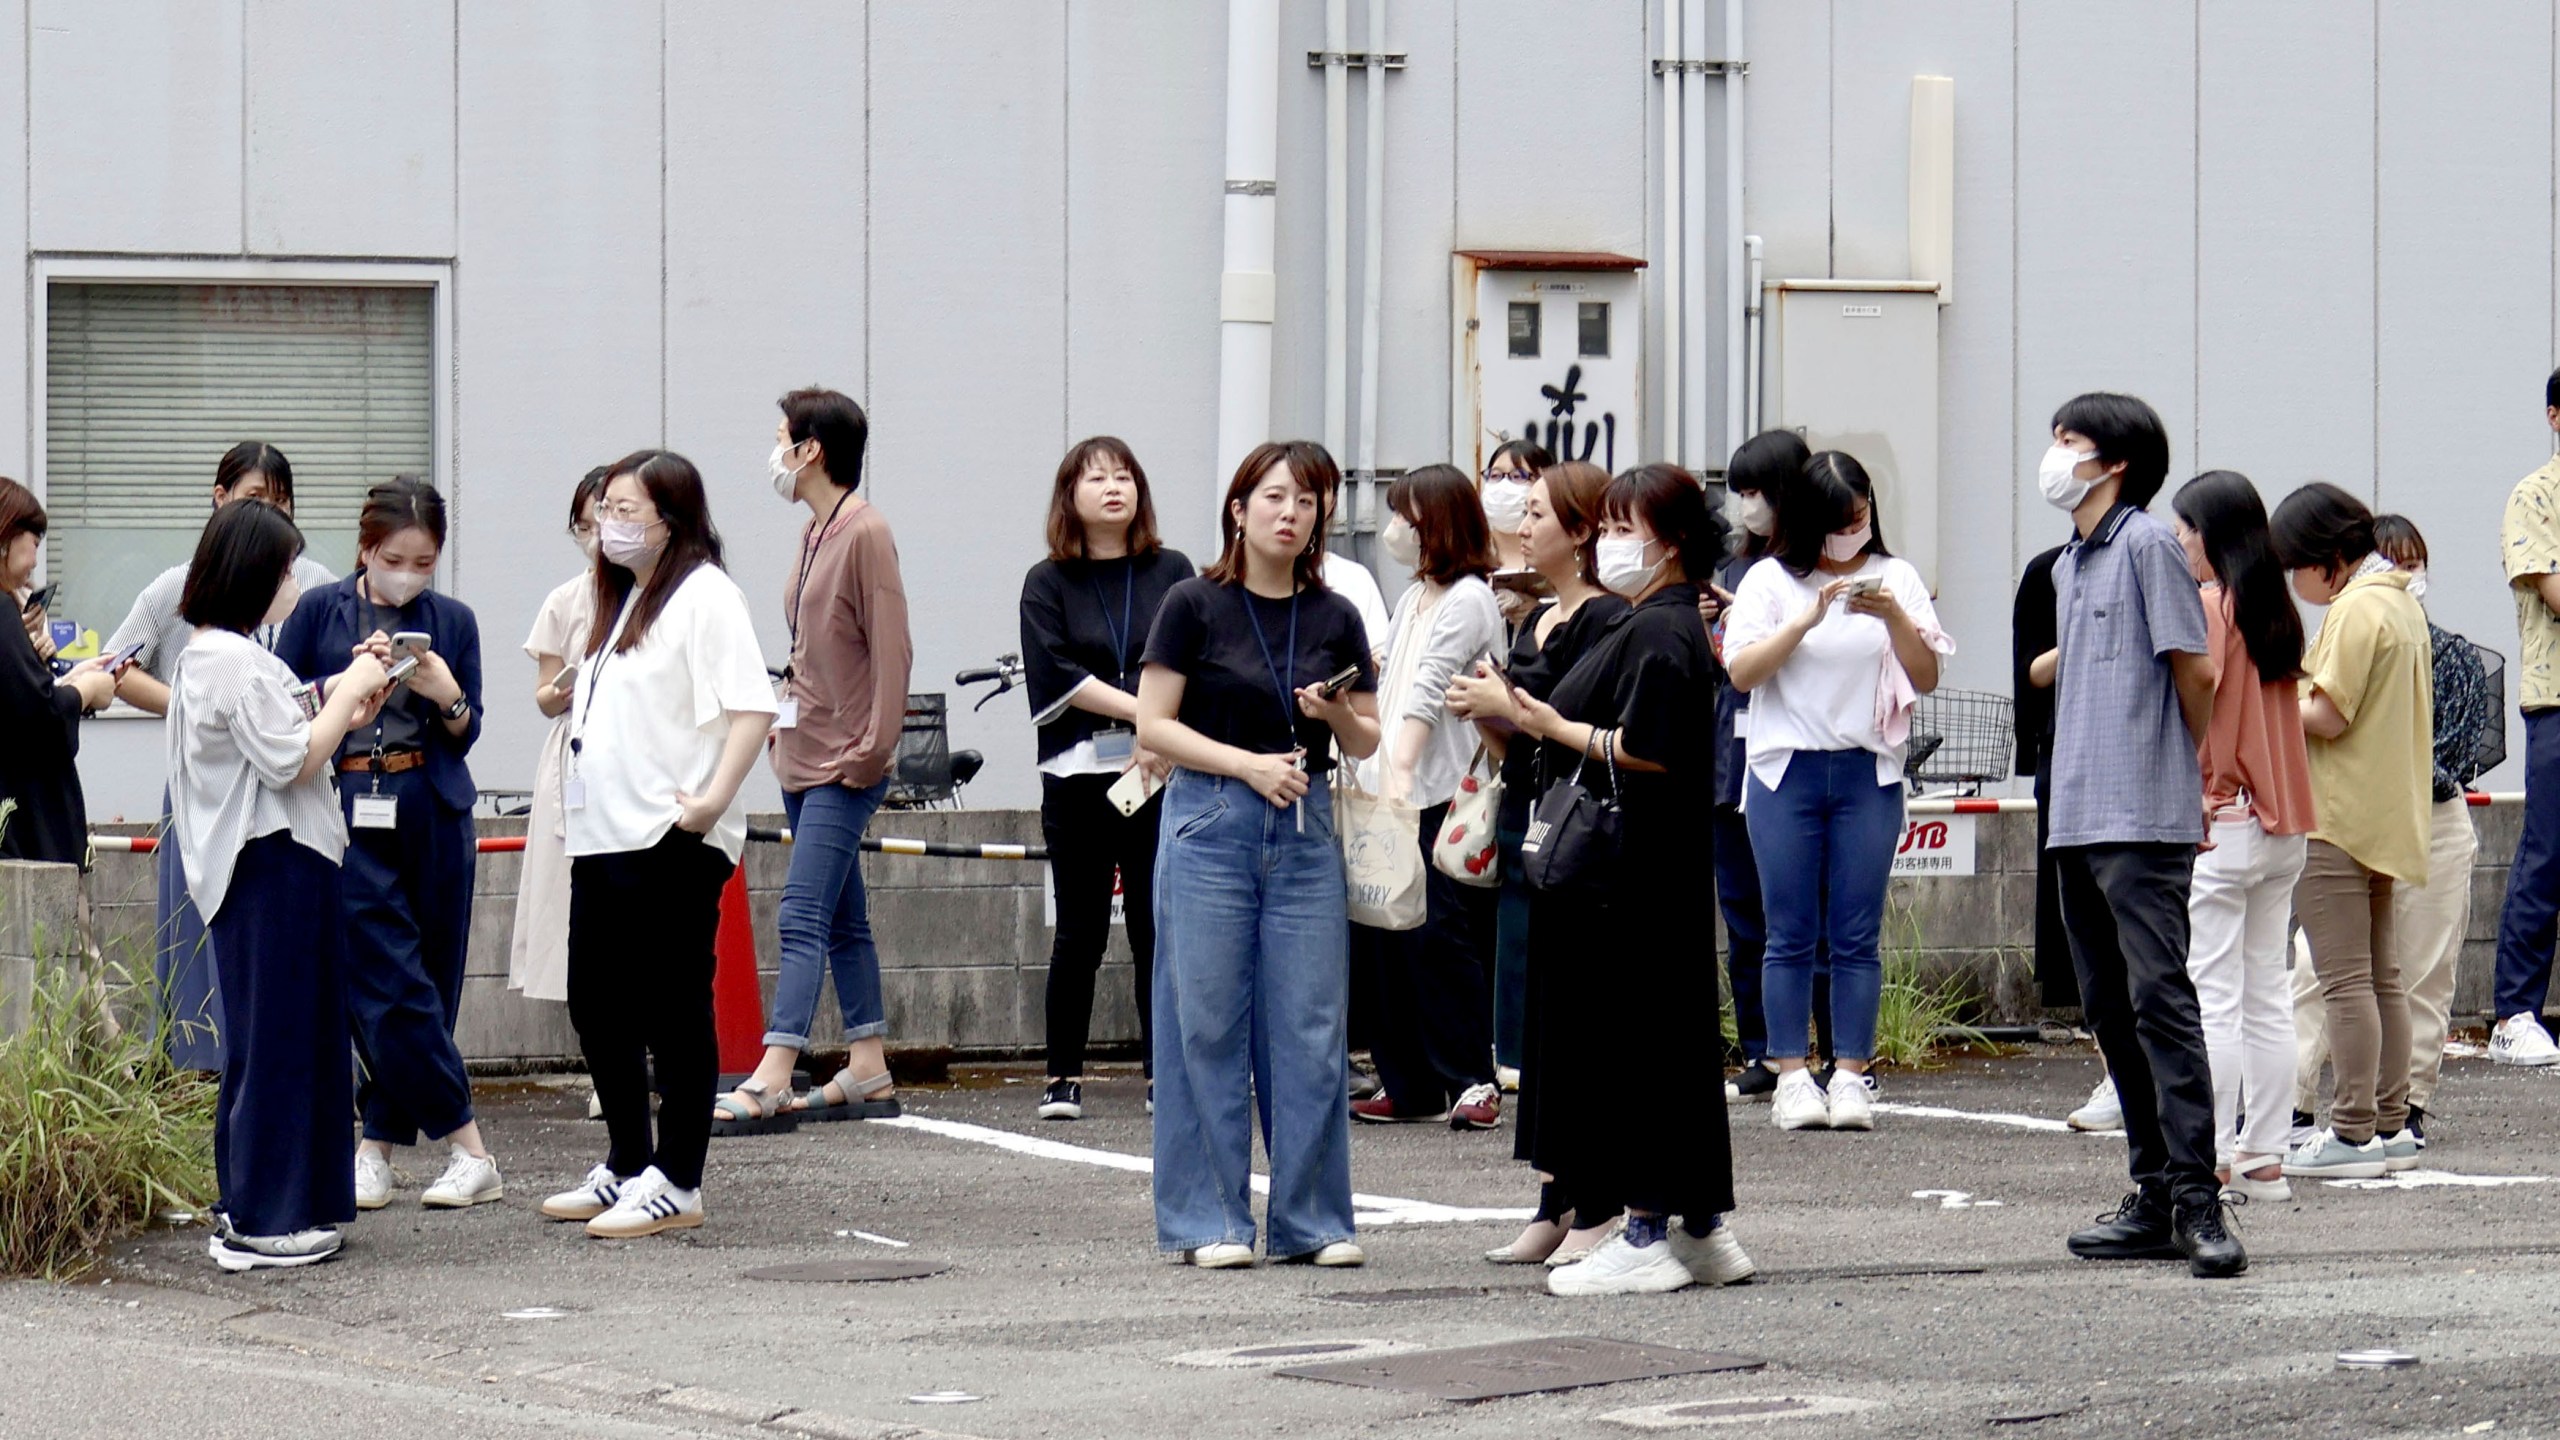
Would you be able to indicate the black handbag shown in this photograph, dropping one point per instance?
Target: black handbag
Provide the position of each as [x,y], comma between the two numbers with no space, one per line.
[1572,840]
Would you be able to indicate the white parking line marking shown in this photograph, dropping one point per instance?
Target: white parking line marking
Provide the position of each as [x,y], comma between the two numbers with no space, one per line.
[2421,1179]
[2406,1180]
[1986,1117]
[1371,1209]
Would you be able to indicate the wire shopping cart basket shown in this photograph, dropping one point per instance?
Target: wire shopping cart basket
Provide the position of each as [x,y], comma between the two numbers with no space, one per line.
[1961,737]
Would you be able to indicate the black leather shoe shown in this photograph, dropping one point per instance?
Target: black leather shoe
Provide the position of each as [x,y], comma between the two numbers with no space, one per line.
[2203,1235]
[2137,1229]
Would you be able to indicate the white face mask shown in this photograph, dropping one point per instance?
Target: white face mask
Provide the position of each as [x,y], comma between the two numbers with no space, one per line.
[1402,545]
[1751,512]
[1621,565]
[394,588]
[1846,545]
[288,595]
[786,475]
[2418,583]
[1506,503]
[626,542]
[2062,489]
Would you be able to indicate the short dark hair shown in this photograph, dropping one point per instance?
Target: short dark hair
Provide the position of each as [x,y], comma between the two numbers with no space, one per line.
[1768,464]
[2551,392]
[20,512]
[241,559]
[256,457]
[2397,537]
[1673,505]
[839,424]
[1310,465]
[1440,503]
[1820,500]
[590,490]
[1066,528]
[2127,429]
[2320,527]
[1529,455]
[403,502]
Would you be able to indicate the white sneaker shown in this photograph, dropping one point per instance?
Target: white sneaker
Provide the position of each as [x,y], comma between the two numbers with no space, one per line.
[236,1252]
[2103,1112]
[2521,1040]
[1618,1268]
[1508,1078]
[1714,1258]
[2329,1158]
[373,1179]
[1799,1103]
[1850,1109]
[1225,1255]
[467,1180]
[1340,1255]
[2274,1192]
[649,1204]
[594,1196]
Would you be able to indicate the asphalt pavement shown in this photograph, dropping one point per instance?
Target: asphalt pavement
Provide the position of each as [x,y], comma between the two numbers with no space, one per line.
[1913,1282]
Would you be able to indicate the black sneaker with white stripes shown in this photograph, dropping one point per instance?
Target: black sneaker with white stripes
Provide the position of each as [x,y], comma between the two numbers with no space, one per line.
[1063,1100]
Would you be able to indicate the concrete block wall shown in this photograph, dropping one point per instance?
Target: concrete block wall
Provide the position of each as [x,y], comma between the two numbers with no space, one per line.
[39,932]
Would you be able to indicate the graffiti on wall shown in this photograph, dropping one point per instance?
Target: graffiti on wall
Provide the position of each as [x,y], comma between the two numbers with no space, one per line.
[1598,441]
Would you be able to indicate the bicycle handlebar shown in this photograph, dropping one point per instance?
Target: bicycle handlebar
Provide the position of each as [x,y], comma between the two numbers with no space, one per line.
[977,677]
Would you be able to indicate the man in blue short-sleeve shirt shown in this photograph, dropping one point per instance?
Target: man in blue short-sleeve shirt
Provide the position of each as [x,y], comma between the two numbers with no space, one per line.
[2133,691]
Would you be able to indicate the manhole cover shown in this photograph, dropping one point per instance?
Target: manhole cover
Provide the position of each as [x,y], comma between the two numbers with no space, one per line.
[1522,1367]
[845,1271]
[1430,1292]
[1734,1410]
[1290,1352]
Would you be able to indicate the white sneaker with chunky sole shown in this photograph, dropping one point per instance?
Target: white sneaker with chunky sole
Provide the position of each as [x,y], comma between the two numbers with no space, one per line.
[2521,1040]
[236,1252]
[2329,1158]
[1225,1255]
[1799,1103]
[649,1205]
[373,1179]
[594,1196]
[2103,1112]
[1850,1105]
[1714,1258]
[467,1180]
[1618,1268]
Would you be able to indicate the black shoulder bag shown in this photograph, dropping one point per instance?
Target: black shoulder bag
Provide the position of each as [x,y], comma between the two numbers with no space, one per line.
[1572,840]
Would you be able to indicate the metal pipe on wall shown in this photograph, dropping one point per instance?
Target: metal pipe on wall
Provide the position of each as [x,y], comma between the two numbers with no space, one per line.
[1669,404]
[1742,252]
[1245,287]
[1751,391]
[1337,223]
[1695,289]
[1373,240]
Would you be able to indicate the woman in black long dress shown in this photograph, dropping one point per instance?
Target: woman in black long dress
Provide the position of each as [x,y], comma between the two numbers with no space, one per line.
[1619,1006]
[39,714]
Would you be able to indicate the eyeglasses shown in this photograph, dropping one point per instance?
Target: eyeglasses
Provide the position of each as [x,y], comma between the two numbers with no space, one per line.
[627,510]
[1521,477]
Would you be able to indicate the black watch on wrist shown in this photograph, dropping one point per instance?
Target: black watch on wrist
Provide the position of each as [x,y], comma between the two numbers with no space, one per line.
[460,707]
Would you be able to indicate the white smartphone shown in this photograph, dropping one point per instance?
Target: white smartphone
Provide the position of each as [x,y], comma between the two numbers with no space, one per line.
[1134,788]
[1863,585]
[412,642]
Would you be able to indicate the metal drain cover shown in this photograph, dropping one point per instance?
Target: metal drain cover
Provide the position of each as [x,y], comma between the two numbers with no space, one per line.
[1521,1367]
[846,1271]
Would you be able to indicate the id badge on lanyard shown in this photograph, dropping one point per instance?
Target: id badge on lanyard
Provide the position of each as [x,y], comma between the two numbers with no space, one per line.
[374,810]
[786,706]
[1115,743]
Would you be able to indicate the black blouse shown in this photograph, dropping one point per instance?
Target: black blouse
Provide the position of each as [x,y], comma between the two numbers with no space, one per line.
[2033,629]
[1088,619]
[1232,648]
[39,756]
[1652,678]
[1537,669]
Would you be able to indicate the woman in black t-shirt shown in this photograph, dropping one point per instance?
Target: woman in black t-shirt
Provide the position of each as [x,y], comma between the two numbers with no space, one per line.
[1086,611]
[1619,1004]
[1252,917]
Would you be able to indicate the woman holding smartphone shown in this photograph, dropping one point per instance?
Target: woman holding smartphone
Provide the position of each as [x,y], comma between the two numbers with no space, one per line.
[250,751]
[412,850]
[538,954]
[1086,613]
[39,714]
[1252,920]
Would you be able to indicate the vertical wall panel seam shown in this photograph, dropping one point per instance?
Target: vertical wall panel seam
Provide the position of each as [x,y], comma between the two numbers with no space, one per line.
[1831,139]
[244,124]
[869,302]
[662,222]
[1066,221]
[2195,235]
[2017,459]
[2374,210]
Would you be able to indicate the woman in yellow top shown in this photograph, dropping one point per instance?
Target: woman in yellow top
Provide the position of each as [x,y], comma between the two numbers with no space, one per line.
[2367,715]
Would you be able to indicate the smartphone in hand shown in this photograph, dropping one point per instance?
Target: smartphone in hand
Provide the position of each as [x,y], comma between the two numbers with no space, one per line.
[1333,685]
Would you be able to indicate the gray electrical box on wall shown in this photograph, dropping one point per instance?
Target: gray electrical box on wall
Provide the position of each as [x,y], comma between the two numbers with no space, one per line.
[1857,370]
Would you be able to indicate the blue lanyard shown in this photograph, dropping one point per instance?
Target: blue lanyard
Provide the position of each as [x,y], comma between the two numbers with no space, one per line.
[1128,619]
[1287,688]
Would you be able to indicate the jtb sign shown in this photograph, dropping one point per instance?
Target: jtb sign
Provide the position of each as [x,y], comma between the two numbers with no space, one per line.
[1935,845]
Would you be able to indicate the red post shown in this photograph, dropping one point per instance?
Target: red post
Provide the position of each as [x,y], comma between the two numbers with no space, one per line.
[737,1004]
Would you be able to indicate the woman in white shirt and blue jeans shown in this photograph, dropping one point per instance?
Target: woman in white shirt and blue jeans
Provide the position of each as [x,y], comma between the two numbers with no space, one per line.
[672,705]
[255,809]
[1834,638]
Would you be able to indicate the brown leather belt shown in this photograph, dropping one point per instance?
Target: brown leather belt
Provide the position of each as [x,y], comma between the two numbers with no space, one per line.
[393,762]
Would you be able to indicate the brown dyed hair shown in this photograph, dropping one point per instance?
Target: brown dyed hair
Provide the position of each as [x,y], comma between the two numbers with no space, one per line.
[20,511]
[1574,489]
[675,487]
[1311,467]
[403,502]
[1066,528]
[1447,516]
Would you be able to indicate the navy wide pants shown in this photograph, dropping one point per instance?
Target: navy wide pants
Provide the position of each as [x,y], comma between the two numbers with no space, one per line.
[280,1144]
[408,917]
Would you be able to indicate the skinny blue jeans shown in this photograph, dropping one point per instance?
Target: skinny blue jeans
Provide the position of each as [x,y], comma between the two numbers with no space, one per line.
[1825,840]
[1252,994]
[825,921]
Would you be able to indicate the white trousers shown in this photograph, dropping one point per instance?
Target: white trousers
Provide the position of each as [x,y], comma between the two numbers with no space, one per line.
[2427,929]
[2236,915]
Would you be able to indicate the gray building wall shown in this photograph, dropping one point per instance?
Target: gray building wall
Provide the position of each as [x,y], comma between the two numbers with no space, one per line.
[2318,237]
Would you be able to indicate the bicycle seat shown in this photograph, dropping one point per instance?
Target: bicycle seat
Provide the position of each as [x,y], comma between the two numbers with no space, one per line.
[965,765]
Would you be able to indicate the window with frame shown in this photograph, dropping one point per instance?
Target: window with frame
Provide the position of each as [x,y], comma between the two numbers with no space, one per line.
[146,385]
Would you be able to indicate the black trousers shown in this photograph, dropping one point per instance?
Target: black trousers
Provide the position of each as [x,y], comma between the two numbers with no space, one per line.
[1089,840]
[2057,988]
[1434,1033]
[641,926]
[2126,909]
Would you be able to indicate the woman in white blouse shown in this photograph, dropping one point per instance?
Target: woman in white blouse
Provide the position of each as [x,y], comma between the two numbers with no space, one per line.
[1433,1032]
[538,959]
[672,704]
[1835,639]
[255,807]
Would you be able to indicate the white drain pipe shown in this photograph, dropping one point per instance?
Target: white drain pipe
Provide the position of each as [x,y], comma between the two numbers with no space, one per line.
[1373,242]
[1245,287]
[1695,437]
[1337,224]
[1668,46]
[1742,252]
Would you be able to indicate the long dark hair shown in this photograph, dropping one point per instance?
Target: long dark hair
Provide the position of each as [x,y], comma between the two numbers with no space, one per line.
[1311,466]
[1441,505]
[1767,465]
[675,487]
[1066,528]
[1819,501]
[2224,508]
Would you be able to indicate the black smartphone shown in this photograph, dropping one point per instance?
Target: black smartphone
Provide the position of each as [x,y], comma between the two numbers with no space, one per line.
[1333,686]
[43,599]
[402,668]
